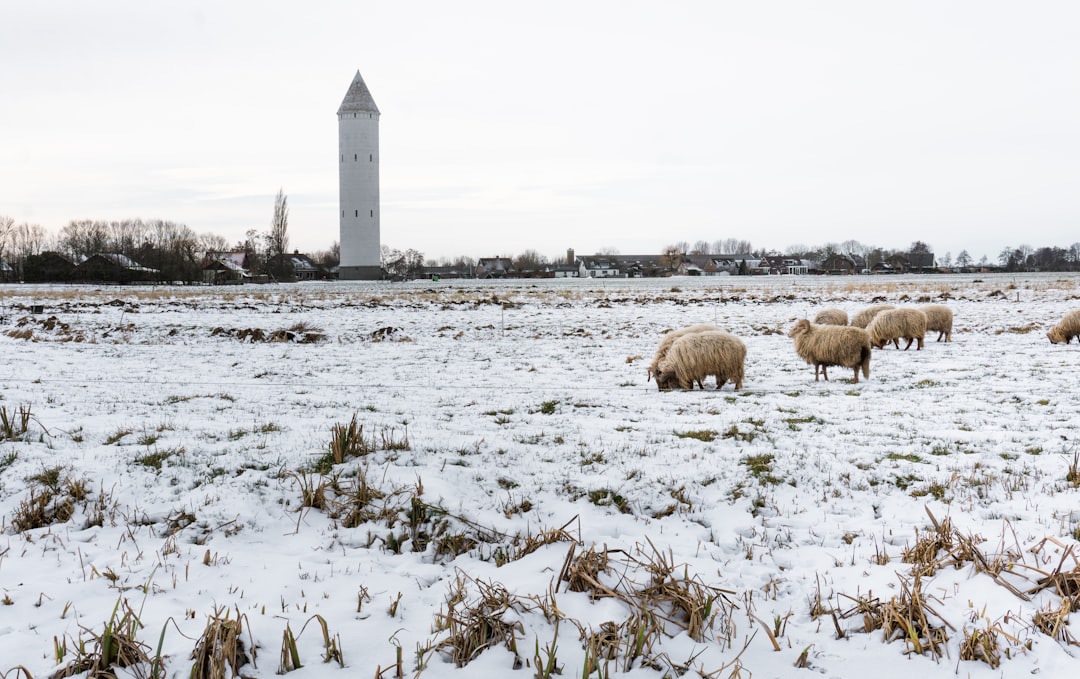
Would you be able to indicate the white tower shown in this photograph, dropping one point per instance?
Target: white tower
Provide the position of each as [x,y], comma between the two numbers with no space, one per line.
[358,183]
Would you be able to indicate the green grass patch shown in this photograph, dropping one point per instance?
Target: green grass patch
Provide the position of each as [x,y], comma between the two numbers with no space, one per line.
[605,497]
[935,490]
[905,481]
[908,457]
[794,422]
[548,407]
[154,459]
[706,435]
[733,432]
[760,467]
[116,436]
[48,477]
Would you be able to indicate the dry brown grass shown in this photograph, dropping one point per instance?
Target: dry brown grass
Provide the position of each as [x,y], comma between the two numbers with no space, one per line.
[981,644]
[15,424]
[52,497]
[911,616]
[1064,579]
[115,646]
[1053,622]
[347,440]
[479,624]
[220,649]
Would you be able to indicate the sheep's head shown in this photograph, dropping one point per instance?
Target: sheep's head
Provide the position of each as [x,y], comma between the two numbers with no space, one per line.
[803,326]
[666,379]
[1055,336]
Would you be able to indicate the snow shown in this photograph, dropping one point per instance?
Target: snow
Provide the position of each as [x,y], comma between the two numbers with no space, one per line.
[526,412]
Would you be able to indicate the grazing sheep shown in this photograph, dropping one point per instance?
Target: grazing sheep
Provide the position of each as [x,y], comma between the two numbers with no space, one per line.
[1068,328]
[831,316]
[665,344]
[825,345]
[939,320]
[695,356]
[863,318]
[892,324]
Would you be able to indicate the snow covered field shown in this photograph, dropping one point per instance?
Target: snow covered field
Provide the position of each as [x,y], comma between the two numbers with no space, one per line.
[520,495]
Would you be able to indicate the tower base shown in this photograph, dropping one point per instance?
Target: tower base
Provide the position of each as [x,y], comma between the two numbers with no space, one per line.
[360,273]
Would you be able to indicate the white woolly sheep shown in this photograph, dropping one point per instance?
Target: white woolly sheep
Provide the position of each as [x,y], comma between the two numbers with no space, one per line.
[892,324]
[939,320]
[1066,329]
[665,343]
[825,345]
[695,356]
[863,318]
[831,316]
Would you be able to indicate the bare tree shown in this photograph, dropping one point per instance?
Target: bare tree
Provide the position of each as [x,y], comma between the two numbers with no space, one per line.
[7,227]
[701,247]
[732,246]
[607,251]
[330,258]
[530,260]
[83,238]
[277,241]
[672,256]
[212,243]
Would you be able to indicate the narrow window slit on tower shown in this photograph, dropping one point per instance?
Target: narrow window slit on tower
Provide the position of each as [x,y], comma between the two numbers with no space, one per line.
[357,214]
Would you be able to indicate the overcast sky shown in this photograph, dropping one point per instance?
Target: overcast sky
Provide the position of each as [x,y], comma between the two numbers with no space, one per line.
[549,125]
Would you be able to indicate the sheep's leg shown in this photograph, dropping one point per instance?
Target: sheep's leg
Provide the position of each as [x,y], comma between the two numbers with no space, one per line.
[919,348]
[908,345]
[719,382]
[817,367]
[896,341]
[825,371]
[856,374]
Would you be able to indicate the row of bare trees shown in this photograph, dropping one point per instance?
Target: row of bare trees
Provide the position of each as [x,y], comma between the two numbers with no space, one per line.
[177,252]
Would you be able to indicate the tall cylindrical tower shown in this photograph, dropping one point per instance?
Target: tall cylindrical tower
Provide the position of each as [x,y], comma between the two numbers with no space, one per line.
[358,183]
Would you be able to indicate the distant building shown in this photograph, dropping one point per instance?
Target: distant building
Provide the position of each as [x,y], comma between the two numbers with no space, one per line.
[48,266]
[494,267]
[226,268]
[114,268]
[305,268]
[358,184]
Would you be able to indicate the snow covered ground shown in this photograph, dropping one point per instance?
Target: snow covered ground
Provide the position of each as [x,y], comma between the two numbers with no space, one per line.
[523,496]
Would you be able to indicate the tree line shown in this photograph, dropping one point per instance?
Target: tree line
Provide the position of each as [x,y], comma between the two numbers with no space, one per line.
[173,249]
[179,254]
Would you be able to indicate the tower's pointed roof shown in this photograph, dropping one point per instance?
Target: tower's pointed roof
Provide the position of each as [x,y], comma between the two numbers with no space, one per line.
[358,98]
